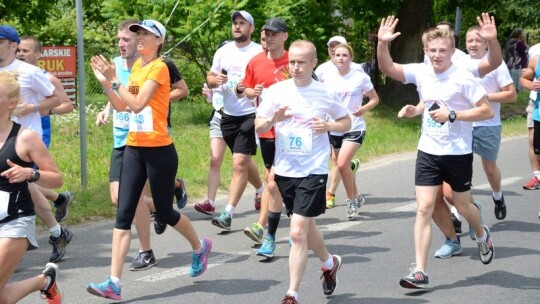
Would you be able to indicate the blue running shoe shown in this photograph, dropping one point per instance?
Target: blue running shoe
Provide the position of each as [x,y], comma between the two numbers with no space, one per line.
[223,220]
[449,249]
[199,262]
[268,247]
[106,289]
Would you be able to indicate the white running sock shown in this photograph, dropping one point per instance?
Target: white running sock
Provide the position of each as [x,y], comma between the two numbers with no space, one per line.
[329,263]
[537,174]
[115,280]
[230,209]
[56,230]
[455,212]
[260,190]
[293,293]
[497,195]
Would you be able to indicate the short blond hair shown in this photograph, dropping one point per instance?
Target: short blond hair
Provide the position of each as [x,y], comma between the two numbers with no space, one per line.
[307,45]
[438,33]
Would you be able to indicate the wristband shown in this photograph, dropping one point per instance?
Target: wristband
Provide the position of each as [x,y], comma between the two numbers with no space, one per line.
[107,91]
[36,108]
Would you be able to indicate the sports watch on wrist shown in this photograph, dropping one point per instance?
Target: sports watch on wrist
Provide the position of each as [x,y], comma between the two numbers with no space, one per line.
[115,85]
[35,176]
[452,116]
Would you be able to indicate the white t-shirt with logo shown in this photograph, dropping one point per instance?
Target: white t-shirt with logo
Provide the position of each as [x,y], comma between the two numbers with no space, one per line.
[234,60]
[35,86]
[350,89]
[299,151]
[456,89]
[492,82]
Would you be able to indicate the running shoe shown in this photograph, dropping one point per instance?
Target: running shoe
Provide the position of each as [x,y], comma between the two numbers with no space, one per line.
[205,207]
[51,294]
[255,232]
[223,220]
[289,300]
[329,276]
[416,279]
[330,200]
[457,224]
[59,245]
[480,209]
[268,247]
[62,210]
[258,201]
[355,164]
[145,260]
[360,201]
[106,289]
[500,208]
[352,208]
[449,249]
[199,261]
[532,184]
[159,226]
[485,249]
[180,194]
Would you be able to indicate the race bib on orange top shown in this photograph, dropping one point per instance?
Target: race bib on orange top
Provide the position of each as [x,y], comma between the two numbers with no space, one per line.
[148,128]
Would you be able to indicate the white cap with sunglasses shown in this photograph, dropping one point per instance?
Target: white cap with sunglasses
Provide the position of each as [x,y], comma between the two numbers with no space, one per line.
[152,26]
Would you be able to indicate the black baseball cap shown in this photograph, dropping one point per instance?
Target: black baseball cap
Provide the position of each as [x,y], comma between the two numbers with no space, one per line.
[275,25]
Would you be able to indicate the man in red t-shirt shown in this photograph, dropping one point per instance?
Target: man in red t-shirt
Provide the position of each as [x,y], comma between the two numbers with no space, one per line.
[265,69]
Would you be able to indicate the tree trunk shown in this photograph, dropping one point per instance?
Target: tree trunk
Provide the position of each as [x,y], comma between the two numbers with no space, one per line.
[413,17]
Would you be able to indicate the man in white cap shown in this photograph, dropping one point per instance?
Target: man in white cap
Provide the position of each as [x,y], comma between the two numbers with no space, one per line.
[329,68]
[238,114]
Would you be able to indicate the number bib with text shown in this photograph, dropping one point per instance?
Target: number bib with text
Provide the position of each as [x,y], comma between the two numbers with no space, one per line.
[295,142]
[121,120]
[431,127]
[142,121]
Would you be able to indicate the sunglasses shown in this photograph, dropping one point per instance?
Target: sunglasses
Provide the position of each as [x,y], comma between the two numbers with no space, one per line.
[150,24]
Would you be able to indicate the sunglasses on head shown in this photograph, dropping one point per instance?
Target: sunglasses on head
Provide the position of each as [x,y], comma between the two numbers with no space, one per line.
[150,24]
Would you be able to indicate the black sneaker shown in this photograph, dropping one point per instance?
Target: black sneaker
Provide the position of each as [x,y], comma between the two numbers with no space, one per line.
[485,249]
[159,226]
[416,279]
[51,293]
[457,223]
[181,194]
[500,208]
[59,245]
[62,210]
[145,260]
[329,276]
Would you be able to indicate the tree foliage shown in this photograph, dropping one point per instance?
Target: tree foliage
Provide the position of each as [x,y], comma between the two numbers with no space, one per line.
[196,27]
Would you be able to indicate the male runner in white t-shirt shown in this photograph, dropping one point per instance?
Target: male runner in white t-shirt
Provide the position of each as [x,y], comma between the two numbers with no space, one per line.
[297,109]
[451,100]
[238,114]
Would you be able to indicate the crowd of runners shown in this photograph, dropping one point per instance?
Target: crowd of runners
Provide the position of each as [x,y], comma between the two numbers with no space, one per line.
[300,115]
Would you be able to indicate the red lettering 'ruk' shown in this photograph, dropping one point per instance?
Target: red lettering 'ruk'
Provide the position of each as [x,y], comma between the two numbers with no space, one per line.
[133,90]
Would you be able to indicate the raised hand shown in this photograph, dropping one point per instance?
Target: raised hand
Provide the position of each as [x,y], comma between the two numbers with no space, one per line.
[387,28]
[106,68]
[488,30]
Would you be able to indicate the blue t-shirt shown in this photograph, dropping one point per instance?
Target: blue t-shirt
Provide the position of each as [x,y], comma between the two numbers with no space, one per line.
[121,118]
[536,111]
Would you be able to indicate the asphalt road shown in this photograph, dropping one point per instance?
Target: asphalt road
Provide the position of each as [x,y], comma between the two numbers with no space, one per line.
[377,250]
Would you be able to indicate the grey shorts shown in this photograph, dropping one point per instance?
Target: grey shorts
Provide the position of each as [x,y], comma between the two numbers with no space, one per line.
[486,141]
[22,227]
[529,109]
[215,126]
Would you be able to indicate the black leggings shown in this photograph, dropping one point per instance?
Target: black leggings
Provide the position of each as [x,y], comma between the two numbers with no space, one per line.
[159,166]
[536,137]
